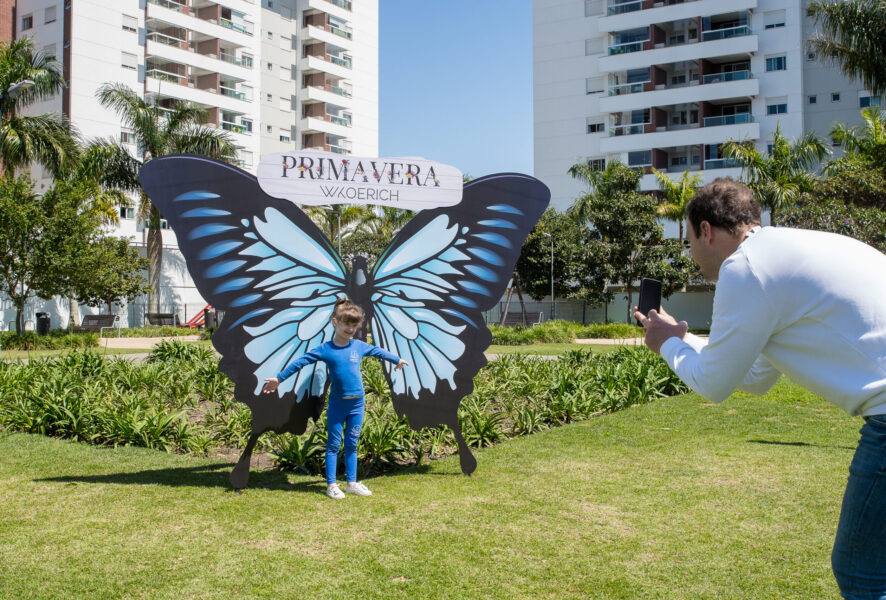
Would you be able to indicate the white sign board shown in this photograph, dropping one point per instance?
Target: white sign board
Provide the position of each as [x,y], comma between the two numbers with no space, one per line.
[317,178]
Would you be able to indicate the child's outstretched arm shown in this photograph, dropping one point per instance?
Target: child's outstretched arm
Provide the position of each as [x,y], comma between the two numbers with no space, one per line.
[272,383]
[385,355]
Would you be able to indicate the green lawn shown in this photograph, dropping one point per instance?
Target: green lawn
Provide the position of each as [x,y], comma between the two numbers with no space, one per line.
[675,499]
[547,349]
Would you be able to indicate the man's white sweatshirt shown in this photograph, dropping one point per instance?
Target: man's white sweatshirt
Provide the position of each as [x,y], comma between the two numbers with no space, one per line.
[808,304]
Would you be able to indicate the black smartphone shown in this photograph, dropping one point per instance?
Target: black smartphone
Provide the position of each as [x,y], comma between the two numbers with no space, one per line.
[650,295]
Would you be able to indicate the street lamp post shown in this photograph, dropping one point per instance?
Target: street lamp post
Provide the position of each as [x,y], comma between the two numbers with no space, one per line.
[15,88]
[553,303]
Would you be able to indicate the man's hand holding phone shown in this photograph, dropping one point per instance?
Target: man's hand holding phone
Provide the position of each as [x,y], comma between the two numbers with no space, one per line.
[659,327]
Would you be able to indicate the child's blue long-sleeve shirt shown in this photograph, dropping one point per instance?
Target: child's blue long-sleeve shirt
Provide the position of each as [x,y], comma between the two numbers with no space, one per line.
[343,365]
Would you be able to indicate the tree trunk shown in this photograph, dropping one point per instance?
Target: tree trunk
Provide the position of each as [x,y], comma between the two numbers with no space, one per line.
[520,296]
[630,295]
[73,313]
[681,233]
[155,258]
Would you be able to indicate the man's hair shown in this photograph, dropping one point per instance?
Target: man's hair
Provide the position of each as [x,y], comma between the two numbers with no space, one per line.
[723,203]
[347,312]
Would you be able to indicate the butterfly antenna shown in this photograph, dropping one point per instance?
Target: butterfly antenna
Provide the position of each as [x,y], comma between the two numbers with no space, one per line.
[465,457]
[240,474]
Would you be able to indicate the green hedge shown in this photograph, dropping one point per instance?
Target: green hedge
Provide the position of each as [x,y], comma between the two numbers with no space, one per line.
[561,331]
[177,400]
[57,339]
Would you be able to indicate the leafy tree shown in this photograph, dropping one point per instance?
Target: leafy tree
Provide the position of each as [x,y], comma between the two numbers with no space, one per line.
[778,179]
[864,147]
[677,195]
[572,276]
[823,213]
[177,129]
[26,76]
[43,238]
[853,36]
[627,243]
[110,270]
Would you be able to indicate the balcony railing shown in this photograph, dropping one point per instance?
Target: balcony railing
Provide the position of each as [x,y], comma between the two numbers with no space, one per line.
[627,88]
[234,127]
[722,34]
[342,3]
[162,38]
[247,64]
[165,75]
[728,120]
[720,163]
[342,62]
[226,91]
[730,76]
[632,129]
[340,120]
[626,47]
[168,4]
[338,149]
[345,33]
[624,7]
[235,26]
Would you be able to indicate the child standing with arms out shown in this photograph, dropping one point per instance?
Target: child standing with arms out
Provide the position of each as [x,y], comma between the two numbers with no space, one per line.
[342,356]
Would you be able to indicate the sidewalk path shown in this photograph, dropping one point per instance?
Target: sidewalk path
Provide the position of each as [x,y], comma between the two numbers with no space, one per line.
[116,343]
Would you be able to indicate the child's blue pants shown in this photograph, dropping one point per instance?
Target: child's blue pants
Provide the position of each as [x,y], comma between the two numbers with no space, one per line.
[347,415]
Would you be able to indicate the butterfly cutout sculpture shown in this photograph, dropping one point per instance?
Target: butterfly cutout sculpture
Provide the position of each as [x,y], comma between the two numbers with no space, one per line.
[277,277]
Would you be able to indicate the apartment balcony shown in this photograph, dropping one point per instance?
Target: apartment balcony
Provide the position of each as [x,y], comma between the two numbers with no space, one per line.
[716,86]
[322,125]
[329,93]
[716,130]
[334,65]
[176,86]
[648,12]
[159,46]
[630,58]
[177,15]
[649,183]
[330,34]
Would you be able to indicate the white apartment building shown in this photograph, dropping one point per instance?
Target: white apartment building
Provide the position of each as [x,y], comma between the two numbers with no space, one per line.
[664,83]
[276,74]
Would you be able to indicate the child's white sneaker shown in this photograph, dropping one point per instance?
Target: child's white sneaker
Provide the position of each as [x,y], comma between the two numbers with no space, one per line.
[334,492]
[358,489]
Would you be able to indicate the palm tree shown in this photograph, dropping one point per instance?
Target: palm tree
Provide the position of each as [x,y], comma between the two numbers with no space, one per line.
[388,221]
[158,132]
[611,182]
[335,221]
[25,77]
[853,37]
[866,143]
[778,179]
[677,196]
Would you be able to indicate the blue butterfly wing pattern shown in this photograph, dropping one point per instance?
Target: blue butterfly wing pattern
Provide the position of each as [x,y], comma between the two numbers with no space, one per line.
[431,285]
[264,263]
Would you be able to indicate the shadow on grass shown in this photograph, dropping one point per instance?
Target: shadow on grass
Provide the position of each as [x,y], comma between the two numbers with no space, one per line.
[778,443]
[208,476]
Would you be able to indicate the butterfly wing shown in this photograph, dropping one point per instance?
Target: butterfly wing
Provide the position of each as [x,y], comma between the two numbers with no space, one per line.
[431,285]
[263,262]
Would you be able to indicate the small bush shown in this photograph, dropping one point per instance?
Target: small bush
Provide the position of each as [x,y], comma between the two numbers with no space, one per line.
[561,332]
[56,339]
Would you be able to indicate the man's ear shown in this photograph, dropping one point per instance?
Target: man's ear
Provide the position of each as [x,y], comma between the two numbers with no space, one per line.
[706,232]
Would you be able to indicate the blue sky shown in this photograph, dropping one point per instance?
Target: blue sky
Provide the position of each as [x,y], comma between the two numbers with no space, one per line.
[455,83]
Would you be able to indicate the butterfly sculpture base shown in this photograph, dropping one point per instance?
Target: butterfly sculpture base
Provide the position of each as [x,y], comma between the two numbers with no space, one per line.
[277,277]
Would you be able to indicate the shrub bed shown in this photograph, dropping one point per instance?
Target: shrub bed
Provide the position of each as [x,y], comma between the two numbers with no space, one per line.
[561,331]
[56,339]
[177,400]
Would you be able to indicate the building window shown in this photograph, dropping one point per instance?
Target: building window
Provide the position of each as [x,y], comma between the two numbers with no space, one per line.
[835,96]
[130,24]
[593,8]
[129,61]
[284,137]
[285,104]
[49,52]
[776,109]
[776,63]
[270,35]
[127,212]
[246,124]
[773,19]
[127,137]
[269,66]
[769,149]
[868,100]
[595,126]
[269,129]
[811,56]
[641,158]
[27,22]
[246,59]
[678,161]
[49,14]
[813,99]
[269,97]
[678,79]
[597,164]
[594,85]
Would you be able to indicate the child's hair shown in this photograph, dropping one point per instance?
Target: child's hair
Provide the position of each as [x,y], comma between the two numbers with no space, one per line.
[348,312]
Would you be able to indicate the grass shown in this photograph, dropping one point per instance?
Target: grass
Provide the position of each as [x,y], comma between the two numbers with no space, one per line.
[670,500]
[549,349]
[29,354]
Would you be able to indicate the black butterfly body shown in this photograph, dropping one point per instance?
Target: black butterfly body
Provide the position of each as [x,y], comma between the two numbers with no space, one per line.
[264,262]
